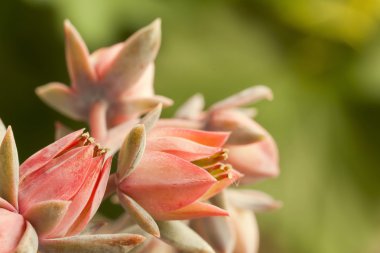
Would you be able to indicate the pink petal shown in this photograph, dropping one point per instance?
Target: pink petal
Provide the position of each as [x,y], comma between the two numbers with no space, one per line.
[163,182]
[181,123]
[192,211]
[61,130]
[103,57]
[192,108]
[214,139]
[144,86]
[63,99]
[222,184]
[245,97]
[94,202]
[12,226]
[101,186]
[60,182]
[243,129]
[5,205]
[186,149]
[134,106]
[80,69]
[133,59]
[255,201]
[255,161]
[56,162]
[43,156]
[80,200]
[246,229]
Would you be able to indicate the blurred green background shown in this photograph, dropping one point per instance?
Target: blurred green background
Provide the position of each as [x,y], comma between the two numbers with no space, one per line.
[320,57]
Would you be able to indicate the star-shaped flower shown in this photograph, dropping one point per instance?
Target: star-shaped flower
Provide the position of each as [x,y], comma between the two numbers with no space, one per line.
[111,85]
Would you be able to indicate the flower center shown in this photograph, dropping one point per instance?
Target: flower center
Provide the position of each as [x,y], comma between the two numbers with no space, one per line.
[215,165]
[85,139]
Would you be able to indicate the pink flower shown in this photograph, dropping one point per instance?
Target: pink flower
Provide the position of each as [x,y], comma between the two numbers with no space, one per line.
[55,192]
[111,85]
[252,150]
[75,171]
[178,171]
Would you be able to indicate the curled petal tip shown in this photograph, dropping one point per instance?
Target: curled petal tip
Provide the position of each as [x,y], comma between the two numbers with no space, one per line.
[245,97]
[61,98]
[266,92]
[66,22]
[252,200]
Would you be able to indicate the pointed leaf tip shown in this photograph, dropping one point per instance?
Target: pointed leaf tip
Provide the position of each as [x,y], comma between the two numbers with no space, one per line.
[80,69]
[137,53]
[156,24]
[256,201]
[245,97]
[2,130]
[152,117]
[192,108]
[9,169]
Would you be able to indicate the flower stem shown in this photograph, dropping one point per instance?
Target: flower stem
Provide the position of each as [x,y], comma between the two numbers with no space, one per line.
[98,120]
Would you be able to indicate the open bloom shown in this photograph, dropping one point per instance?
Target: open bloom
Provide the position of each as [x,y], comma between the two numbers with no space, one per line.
[112,84]
[53,195]
[178,171]
[68,176]
[252,150]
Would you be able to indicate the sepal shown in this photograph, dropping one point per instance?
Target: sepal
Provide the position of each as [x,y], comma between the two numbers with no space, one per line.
[46,215]
[252,200]
[244,97]
[182,237]
[142,217]
[192,108]
[131,151]
[29,241]
[9,169]
[112,243]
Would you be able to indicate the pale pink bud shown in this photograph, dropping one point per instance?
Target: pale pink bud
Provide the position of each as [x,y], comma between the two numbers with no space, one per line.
[253,151]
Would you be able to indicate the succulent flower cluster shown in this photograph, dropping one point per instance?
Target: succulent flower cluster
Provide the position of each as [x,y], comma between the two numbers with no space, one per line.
[175,178]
